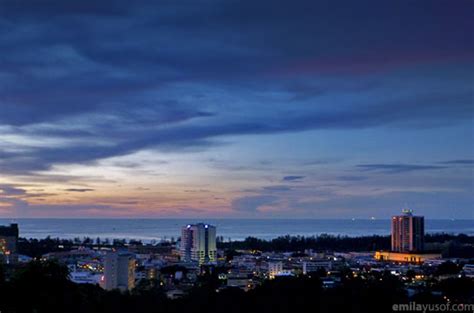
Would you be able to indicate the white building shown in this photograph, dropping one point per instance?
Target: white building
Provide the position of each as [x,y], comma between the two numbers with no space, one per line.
[84,277]
[240,281]
[314,266]
[274,269]
[119,271]
[468,270]
[198,243]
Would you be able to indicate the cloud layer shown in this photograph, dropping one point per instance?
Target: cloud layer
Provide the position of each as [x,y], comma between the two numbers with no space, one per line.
[84,83]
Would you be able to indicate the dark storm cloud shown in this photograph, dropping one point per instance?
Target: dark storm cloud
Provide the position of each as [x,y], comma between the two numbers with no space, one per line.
[126,134]
[352,178]
[398,168]
[128,75]
[79,189]
[293,178]
[458,162]
[277,188]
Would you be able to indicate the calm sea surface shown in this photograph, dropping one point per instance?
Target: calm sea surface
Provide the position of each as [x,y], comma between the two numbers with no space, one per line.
[236,229]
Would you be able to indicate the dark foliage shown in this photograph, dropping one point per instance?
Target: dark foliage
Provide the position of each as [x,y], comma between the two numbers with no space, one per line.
[43,287]
[461,245]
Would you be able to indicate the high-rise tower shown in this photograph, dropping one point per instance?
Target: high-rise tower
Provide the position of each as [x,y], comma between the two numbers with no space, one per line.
[198,243]
[408,232]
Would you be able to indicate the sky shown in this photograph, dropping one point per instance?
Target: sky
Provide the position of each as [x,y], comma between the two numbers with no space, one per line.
[236,109]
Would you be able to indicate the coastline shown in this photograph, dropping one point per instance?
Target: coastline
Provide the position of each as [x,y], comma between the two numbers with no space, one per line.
[149,230]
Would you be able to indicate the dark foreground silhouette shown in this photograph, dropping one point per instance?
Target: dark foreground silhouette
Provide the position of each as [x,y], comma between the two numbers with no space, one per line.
[43,287]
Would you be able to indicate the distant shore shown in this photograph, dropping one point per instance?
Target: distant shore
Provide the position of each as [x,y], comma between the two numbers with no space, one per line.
[154,230]
[460,245]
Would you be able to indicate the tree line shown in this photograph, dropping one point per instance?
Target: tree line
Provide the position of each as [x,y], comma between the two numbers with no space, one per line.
[450,245]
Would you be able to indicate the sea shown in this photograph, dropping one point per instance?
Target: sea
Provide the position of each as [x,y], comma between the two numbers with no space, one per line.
[154,230]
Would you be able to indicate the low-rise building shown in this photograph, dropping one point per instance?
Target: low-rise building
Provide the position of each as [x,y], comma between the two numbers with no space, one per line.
[8,244]
[315,265]
[417,258]
[468,270]
[83,277]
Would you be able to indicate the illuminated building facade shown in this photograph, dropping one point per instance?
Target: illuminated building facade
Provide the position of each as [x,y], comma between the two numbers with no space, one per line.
[198,243]
[274,269]
[407,241]
[8,244]
[408,232]
[119,271]
[416,258]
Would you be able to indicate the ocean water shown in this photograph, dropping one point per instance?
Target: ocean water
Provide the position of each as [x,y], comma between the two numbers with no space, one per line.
[235,229]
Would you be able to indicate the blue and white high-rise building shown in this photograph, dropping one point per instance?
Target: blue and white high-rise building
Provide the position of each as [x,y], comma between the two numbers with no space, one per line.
[198,243]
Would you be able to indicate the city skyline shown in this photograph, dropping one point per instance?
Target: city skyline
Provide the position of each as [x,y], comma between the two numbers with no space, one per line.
[236,109]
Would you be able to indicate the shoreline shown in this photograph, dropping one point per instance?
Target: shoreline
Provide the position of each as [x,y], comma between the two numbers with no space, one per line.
[156,239]
[236,229]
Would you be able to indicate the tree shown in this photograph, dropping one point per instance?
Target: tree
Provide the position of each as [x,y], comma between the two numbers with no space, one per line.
[448,268]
